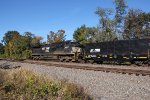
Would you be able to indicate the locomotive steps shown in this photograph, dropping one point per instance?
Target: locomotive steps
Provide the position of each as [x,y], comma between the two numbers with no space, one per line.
[113,69]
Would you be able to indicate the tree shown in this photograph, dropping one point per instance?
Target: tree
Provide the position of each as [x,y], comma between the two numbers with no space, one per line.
[84,34]
[16,45]
[120,7]
[104,13]
[144,21]
[106,30]
[60,36]
[53,37]
[137,24]
[101,37]
[131,29]
[9,36]
[1,48]
[10,39]
[36,41]
[28,36]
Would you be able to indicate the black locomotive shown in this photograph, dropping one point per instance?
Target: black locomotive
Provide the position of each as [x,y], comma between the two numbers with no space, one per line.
[135,51]
[63,51]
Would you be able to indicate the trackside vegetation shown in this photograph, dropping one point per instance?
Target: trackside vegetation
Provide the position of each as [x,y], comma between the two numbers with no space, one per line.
[22,84]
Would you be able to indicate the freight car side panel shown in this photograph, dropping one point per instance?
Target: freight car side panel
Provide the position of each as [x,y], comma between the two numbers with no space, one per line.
[121,50]
[139,47]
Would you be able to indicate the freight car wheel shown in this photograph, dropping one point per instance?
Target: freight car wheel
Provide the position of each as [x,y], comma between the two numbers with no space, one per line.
[100,62]
[91,61]
[148,63]
[139,63]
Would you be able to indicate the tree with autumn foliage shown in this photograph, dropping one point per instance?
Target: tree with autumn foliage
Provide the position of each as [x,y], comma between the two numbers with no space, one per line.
[19,46]
[36,41]
[11,39]
[137,24]
[54,37]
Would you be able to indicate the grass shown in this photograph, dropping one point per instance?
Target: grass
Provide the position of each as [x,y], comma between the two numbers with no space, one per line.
[22,84]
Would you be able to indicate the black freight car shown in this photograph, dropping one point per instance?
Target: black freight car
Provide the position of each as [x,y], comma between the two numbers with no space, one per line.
[134,51]
[63,51]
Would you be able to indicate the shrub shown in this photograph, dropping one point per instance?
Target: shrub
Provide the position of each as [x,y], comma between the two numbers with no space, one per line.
[26,54]
[24,84]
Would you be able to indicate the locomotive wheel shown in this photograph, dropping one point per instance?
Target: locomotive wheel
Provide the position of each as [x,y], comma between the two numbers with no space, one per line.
[61,60]
[34,58]
[81,61]
[67,60]
[38,58]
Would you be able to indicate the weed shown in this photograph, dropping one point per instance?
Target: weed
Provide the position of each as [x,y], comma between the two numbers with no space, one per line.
[22,84]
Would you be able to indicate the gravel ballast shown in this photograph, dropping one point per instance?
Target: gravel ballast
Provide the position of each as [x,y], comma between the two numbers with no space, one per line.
[100,85]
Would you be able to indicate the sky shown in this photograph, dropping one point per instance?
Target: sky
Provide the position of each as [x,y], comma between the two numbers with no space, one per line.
[42,16]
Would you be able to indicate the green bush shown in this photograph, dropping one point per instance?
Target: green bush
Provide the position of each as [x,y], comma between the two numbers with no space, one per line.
[26,54]
[3,56]
[23,55]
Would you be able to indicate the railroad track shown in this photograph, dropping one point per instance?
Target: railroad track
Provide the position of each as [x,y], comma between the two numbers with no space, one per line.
[88,67]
